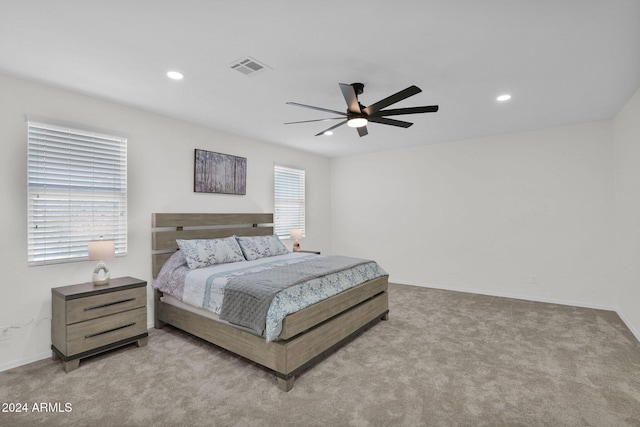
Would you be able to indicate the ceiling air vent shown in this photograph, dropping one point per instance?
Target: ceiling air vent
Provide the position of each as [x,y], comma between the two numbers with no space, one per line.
[248,66]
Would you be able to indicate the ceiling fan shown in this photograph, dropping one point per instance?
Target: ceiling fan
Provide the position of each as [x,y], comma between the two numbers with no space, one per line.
[357,115]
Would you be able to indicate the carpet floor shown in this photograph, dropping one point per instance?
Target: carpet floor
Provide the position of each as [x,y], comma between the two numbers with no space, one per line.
[442,359]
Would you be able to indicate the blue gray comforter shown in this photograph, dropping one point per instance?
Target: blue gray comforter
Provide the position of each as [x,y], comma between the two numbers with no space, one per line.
[206,287]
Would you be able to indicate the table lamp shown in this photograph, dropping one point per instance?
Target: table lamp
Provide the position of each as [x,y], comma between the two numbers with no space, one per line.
[295,234]
[101,250]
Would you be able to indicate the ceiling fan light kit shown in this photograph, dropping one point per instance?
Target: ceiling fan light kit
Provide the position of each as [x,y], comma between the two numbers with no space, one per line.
[358,116]
[357,122]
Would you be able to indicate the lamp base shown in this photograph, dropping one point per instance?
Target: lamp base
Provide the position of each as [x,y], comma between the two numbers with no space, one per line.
[101,279]
[296,246]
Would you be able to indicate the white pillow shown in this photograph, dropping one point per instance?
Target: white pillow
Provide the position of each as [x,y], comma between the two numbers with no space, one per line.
[204,253]
[254,247]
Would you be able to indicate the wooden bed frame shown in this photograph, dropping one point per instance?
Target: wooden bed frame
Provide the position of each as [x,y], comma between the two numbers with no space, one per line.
[306,335]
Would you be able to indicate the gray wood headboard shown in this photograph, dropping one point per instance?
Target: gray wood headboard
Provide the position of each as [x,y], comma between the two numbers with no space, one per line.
[167,227]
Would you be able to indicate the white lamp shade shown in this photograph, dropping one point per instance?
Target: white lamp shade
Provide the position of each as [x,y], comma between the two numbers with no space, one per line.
[101,249]
[295,233]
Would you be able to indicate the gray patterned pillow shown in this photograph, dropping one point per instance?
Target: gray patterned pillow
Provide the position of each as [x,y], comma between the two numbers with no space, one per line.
[171,277]
[255,247]
[201,253]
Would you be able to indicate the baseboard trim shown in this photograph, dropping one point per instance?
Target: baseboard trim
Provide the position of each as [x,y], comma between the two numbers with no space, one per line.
[26,361]
[633,330]
[628,324]
[514,296]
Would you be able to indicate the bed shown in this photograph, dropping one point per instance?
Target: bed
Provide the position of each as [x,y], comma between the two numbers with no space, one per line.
[304,336]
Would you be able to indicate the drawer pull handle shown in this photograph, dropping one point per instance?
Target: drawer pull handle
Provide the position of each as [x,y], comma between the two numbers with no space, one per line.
[95,307]
[110,330]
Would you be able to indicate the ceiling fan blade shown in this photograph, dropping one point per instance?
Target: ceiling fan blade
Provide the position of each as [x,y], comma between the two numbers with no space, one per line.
[410,110]
[326,110]
[392,122]
[350,96]
[362,131]
[331,128]
[396,97]
[316,120]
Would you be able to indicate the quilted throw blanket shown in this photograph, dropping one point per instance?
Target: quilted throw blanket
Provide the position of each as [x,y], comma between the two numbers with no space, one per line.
[247,297]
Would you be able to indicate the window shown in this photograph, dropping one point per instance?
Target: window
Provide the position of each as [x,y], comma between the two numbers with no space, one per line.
[289,200]
[77,191]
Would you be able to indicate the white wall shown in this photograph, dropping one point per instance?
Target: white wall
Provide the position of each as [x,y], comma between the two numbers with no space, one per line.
[627,211]
[486,215]
[160,172]
[490,215]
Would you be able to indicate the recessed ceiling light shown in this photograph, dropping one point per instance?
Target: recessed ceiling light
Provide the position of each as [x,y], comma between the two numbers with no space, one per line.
[174,75]
[328,132]
[504,97]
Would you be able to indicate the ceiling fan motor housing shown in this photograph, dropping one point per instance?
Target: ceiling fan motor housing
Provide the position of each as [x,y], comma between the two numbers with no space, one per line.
[358,87]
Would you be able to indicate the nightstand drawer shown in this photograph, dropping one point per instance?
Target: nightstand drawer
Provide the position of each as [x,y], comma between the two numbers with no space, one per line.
[92,307]
[105,330]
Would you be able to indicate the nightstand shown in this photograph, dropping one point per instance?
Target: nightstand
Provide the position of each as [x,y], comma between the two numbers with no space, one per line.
[89,319]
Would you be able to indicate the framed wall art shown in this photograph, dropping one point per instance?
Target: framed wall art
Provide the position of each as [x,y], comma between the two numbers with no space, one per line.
[219,173]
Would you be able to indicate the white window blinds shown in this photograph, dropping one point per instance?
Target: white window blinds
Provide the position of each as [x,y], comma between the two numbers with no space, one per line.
[77,191]
[289,200]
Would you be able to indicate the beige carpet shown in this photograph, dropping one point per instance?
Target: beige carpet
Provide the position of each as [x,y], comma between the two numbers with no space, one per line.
[443,359]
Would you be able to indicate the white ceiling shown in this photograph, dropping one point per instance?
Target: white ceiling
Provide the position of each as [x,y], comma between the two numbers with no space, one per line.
[564,62]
